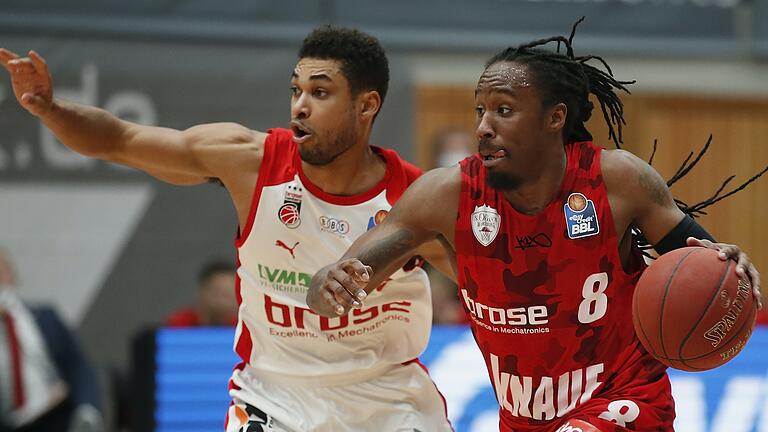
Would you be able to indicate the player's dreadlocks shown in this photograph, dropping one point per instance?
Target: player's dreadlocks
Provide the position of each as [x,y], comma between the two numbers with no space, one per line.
[697,209]
[566,78]
[569,79]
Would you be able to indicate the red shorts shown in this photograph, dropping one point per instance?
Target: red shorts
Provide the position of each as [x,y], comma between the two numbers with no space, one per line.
[619,415]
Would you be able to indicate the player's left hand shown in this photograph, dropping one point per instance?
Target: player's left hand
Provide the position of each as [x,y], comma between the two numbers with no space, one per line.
[335,289]
[744,266]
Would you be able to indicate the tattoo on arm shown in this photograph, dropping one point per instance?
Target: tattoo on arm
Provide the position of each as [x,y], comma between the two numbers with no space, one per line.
[384,252]
[654,185]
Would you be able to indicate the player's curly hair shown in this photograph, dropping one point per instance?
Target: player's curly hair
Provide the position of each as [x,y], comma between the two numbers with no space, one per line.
[566,78]
[363,61]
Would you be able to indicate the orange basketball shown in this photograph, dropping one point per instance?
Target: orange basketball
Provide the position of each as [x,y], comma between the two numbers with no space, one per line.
[691,310]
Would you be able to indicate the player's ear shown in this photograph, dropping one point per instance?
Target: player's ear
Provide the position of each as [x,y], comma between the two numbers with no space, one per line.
[556,116]
[370,103]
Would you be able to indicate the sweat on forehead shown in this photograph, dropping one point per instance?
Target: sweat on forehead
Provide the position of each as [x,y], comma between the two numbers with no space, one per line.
[505,74]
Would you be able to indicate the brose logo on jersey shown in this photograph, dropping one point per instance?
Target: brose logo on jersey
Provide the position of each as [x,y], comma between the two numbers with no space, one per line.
[515,320]
[485,224]
[580,216]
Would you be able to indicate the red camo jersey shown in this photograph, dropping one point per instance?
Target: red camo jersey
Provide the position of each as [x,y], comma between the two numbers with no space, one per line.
[762,317]
[550,304]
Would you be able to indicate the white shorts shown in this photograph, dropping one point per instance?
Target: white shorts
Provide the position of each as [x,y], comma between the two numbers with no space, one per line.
[403,398]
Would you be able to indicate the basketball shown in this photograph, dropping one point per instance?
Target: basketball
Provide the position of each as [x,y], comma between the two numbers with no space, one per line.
[691,311]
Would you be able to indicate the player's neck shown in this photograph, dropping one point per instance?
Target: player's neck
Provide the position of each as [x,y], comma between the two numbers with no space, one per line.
[353,172]
[536,193]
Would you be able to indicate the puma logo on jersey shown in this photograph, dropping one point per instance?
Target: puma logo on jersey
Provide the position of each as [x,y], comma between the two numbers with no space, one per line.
[280,243]
[552,397]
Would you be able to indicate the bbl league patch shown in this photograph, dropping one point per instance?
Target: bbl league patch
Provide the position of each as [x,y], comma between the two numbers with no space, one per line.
[485,224]
[290,212]
[580,216]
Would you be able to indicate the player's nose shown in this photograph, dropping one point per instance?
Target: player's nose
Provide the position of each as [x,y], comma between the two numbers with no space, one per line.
[484,129]
[300,108]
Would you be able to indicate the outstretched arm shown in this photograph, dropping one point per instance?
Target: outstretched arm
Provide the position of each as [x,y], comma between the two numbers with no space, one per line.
[191,156]
[426,211]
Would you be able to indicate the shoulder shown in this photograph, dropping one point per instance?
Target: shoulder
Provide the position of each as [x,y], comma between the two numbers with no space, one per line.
[432,201]
[223,133]
[226,141]
[623,172]
[631,179]
[618,163]
[440,183]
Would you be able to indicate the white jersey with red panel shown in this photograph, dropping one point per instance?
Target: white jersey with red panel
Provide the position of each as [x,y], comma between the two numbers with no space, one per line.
[295,229]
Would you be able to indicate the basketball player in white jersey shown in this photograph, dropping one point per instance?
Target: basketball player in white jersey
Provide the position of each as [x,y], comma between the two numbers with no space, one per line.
[302,196]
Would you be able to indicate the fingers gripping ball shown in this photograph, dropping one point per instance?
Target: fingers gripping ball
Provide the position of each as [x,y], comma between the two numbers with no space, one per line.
[691,311]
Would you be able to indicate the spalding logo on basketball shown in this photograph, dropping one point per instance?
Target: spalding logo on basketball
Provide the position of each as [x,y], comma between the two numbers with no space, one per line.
[692,311]
[289,215]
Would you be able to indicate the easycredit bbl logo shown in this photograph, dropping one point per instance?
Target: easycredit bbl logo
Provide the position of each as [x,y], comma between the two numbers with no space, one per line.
[580,216]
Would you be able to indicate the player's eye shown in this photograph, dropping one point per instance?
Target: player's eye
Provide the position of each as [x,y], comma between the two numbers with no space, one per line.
[295,91]
[320,93]
[504,110]
[479,111]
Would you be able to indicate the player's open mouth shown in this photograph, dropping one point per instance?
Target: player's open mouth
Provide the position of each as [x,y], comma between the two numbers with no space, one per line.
[300,133]
[492,158]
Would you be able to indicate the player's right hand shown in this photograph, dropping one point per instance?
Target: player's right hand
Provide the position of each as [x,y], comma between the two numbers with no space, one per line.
[337,288]
[31,81]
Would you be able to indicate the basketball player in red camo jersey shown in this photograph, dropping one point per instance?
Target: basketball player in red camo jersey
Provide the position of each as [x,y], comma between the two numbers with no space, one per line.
[302,195]
[545,254]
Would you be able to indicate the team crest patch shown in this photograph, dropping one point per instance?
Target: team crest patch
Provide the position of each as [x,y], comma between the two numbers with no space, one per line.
[485,224]
[580,216]
[290,212]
